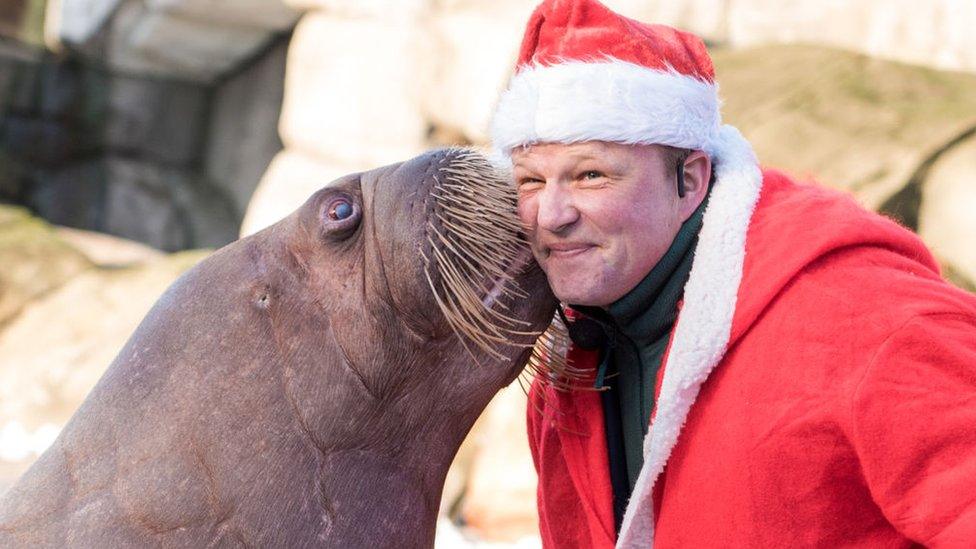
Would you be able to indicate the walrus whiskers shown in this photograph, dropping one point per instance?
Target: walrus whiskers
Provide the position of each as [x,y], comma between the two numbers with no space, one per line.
[476,246]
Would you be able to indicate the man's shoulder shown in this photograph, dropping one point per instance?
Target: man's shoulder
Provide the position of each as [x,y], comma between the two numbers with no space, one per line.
[822,252]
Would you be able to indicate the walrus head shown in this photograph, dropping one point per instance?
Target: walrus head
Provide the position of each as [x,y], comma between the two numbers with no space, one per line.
[309,384]
[428,271]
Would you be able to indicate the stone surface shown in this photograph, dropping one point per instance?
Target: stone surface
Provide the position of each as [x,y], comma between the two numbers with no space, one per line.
[155,120]
[471,74]
[167,208]
[195,47]
[41,140]
[19,82]
[14,179]
[707,18]
[289,181]
[62,320]
[56,349]
[850,121]
[354,89]
[934,33]
[81,19]
[106,250]
[72,196]
[452,536]
[273,15]
[946,220]
[145,41]
[500,502]
[393,9]
[61,88]
[11,15]
[35,261]
[456,481]
[243,133]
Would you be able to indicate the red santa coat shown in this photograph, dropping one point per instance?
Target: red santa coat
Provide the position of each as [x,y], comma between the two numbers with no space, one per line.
[828,398]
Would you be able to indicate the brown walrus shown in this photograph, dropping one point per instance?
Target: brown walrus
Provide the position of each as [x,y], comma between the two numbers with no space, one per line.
[305,386]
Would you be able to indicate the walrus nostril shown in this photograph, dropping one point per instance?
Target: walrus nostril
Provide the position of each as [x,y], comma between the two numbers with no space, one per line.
[262,297]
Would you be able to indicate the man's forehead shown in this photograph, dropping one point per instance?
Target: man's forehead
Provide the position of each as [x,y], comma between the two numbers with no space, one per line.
[528,155]
[584,148]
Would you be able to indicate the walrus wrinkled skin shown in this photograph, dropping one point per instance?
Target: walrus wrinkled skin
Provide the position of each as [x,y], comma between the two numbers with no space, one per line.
[298,388]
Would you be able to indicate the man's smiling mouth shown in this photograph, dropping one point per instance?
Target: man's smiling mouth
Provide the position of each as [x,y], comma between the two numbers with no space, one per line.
[568,250]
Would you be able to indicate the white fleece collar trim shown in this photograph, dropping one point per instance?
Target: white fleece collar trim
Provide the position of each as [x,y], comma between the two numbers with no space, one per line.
[705,323]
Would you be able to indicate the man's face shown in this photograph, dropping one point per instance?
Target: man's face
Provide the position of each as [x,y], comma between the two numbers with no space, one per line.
[599,215]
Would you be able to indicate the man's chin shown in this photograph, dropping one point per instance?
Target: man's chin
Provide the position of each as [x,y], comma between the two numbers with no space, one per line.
[577,296]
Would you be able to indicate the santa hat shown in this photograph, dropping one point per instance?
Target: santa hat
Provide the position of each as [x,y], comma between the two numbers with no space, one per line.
[586,73]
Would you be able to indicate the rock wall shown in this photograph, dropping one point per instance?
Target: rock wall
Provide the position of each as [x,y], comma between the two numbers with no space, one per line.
[23,20]
[934,34]
[168,162]
[196,40]
[68,302]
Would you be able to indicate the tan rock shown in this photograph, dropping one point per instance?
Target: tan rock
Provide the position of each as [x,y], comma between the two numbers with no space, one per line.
[79,20]
[850,121]
[35,261]
[946,220]
[500,503]
[243,137]
[707,18]
[933,34]
[289,181]
[456,481]
[56,349]
[393,9]
[196,47]
[106,250]
[273,15]
[472,72]
[353,89]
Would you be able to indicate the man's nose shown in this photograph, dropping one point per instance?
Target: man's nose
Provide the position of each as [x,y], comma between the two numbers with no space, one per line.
[557,209]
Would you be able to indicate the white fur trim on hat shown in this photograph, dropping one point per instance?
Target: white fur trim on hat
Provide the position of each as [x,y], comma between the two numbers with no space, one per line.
[609,100]
[704,323]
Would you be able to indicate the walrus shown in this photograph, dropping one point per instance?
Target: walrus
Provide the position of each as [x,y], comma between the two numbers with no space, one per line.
[308,385]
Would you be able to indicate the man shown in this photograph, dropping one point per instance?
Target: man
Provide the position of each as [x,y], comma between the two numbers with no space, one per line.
[775,366]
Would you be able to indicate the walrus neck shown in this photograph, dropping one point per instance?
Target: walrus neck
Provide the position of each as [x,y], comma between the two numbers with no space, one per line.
[360,487]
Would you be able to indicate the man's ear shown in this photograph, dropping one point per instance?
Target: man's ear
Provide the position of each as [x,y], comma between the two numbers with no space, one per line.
[697,171]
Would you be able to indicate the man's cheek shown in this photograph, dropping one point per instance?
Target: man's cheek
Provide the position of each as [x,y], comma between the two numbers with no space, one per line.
[526,209]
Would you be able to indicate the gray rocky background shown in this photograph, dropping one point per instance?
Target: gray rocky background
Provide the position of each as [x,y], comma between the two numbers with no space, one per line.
[137,134]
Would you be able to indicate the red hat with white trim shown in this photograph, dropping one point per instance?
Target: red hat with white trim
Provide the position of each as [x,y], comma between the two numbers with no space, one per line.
[586,73]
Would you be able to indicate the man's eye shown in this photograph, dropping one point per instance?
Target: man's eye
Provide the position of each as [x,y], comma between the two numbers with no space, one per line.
[592,174]
[529,183]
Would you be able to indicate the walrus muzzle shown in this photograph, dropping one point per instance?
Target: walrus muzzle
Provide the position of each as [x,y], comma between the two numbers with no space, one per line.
[308,385]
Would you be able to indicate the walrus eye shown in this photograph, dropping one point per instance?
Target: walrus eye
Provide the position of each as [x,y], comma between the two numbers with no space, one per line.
[340,215]
[340,209]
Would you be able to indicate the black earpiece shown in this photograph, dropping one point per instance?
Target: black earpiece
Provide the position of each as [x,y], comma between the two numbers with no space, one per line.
[681,179]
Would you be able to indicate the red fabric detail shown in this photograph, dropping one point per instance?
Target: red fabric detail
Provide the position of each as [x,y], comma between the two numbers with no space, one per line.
[569,449]
[586,30]
[841,415]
